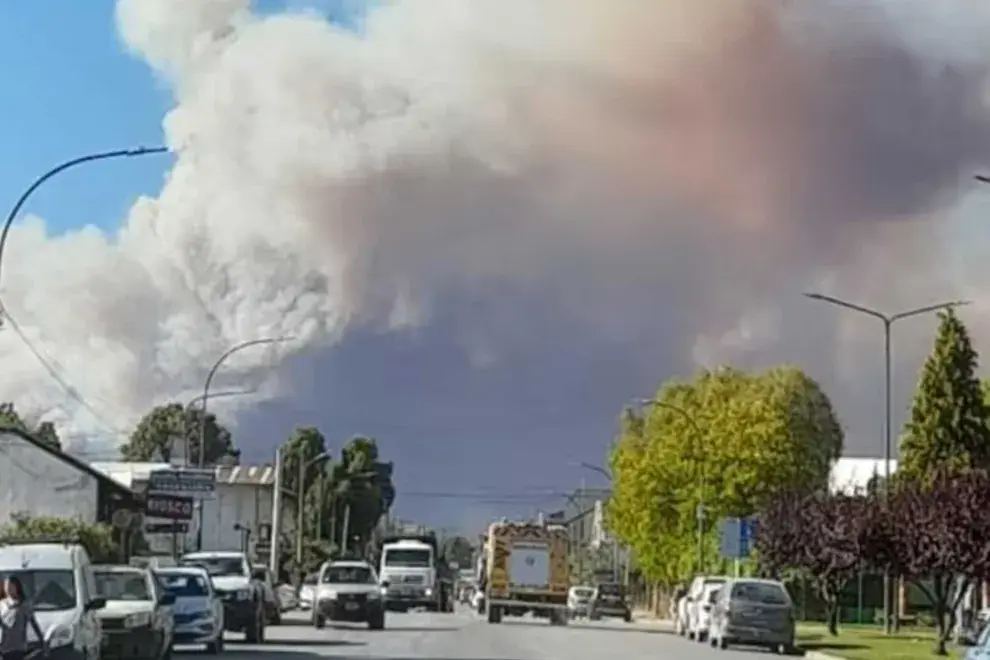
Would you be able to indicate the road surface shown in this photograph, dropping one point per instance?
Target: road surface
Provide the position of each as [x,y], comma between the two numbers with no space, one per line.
[465,636]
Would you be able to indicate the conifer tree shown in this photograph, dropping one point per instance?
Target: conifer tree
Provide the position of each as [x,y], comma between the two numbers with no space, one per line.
[948,431]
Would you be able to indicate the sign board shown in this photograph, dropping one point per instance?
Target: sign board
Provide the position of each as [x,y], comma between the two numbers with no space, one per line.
[169,506]
[167,527]
[737,535]
[191,483]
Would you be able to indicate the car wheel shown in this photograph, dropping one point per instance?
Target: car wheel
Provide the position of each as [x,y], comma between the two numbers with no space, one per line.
[377,621]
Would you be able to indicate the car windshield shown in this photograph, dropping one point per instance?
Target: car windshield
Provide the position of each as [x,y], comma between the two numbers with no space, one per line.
[713,594]
[767,593]
[582,592]
[217,566]
[408,557]
[610,589]
[182,585]
[348,575]
[47,591]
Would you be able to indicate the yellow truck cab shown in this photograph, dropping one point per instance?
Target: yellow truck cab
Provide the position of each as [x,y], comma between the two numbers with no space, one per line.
[526,570]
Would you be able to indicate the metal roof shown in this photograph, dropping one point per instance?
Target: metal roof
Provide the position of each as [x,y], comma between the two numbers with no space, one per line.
[127,474]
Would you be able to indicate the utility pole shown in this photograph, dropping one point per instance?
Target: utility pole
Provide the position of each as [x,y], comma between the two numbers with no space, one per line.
[347,521]
[276,514]
[300,493]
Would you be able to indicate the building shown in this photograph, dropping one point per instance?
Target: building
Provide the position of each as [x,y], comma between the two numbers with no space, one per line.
[579,514]
[237,515]
[42,481]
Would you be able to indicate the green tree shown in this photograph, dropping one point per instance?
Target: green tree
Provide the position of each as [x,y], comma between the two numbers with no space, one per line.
[948,429]
[301,449]
[154,435]
[98,539]
[45,431]
[729,439]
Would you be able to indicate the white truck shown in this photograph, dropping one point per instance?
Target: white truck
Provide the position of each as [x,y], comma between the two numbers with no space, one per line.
[413,575]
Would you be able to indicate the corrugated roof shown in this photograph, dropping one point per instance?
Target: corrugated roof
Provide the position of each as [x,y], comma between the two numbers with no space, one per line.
[238,475]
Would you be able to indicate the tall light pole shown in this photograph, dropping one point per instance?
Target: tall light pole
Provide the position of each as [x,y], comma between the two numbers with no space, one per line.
[206,398]
[300,494]
[199,398]
[700,512]
[887,320]
[615,542]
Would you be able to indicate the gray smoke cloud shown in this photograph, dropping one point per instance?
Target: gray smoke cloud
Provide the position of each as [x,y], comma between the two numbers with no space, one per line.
[558,202]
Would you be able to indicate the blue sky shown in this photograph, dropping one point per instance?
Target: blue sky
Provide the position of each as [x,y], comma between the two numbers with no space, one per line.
[71,89]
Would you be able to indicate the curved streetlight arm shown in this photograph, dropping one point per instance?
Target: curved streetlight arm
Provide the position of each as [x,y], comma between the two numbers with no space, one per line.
[929,308]
[595,468]
[848,305]
[981,178]
[69,164]
[199,398]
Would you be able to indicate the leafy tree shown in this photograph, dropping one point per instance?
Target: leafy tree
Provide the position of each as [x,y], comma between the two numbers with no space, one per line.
[303,447]
[948,429]
[155,434]
[734,440]
[457,550]
[935,535]
[45,431]
[822,535]
[97,539]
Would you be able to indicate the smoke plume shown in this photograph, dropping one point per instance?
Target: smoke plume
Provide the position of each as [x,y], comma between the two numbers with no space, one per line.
[661,178]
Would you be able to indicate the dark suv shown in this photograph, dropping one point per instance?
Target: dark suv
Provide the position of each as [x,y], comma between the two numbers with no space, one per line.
[609,600]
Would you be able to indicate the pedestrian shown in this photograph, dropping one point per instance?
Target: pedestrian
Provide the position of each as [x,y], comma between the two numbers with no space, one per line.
[15,617]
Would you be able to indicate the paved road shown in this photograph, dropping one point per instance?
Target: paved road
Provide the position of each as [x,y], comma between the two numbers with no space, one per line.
[464,636]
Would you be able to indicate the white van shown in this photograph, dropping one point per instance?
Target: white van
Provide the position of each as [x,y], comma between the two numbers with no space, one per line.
[58,582]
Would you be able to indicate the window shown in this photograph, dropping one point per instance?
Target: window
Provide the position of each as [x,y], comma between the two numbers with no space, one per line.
[349,575]
[767,593]
[217,566]
[123,585]
[47,591]
[183,585]
[412,558]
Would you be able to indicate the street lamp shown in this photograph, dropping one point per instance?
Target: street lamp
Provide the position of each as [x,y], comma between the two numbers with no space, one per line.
[209,381]
[701,468]
[199,398]
[8,223]
[887,320]
[300,493]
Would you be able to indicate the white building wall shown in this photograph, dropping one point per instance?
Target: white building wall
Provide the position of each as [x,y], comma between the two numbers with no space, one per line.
[240,504]
[34,481]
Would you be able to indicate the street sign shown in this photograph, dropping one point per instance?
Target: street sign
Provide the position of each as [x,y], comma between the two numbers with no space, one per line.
[737,536]
[167,527]
[191,483]
[172,507]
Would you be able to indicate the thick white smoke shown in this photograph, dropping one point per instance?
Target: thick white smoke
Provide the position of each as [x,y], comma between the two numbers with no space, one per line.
[696,162]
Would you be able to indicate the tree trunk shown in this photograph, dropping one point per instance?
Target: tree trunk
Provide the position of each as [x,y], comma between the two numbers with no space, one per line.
[940,592]
[832,615]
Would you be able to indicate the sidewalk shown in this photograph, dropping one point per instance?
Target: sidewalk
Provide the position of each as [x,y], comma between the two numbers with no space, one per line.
[649,618]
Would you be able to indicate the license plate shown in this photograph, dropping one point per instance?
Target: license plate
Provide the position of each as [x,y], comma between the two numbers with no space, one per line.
[352,606]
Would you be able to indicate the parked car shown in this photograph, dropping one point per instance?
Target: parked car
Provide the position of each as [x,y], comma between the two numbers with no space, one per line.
[307,591]
[579,600]
[694,592]
[700,613]
[137,618]
[609,600]
[752,612]
[273,607]
[198,610]
[349,591]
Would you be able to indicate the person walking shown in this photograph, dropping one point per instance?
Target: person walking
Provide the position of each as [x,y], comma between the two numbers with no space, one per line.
[15,617]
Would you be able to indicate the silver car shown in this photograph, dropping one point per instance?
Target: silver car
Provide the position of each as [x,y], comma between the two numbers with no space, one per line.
[752,612]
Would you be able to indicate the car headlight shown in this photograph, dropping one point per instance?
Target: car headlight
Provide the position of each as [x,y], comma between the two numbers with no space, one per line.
[243,594]
[328,595]
[59,636]
[429,592]
[137,620]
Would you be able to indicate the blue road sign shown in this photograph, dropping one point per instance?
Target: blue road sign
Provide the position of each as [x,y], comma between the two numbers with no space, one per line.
[737,535]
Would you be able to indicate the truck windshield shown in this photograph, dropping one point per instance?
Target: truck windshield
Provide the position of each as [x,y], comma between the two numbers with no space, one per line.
[408,557]
[122,585]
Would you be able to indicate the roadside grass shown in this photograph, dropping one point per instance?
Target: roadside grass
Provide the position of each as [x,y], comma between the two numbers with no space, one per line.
[863,642]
